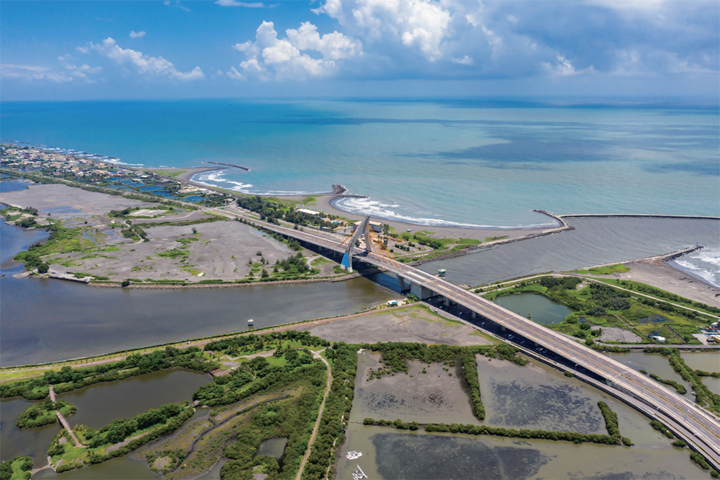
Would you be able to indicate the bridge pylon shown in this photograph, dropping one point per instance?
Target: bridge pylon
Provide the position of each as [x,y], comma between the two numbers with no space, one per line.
[361,229]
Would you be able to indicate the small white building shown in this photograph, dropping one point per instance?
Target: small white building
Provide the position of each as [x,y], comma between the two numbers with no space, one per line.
[308,211]
[657,338]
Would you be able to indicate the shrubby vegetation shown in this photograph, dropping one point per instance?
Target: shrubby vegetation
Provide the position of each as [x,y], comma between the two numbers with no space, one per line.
[122,428]
[395,354]
[155,422]
[471,378]
[679,388]
[508,432]
[68,379]
[292,419]
[273,212]
[604,305]
[43,413]
[703,395]
[337,406]
[245,344]
[16,469]
[661,428]
[611,420]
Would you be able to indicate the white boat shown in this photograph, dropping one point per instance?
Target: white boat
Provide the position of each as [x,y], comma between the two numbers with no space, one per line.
[352,455]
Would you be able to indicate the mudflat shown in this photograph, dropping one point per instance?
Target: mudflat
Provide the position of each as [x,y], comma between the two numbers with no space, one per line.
[439,395]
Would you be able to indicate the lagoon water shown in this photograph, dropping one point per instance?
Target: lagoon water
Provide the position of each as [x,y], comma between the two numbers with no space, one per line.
[541,309]
[44,320]
[594,241]
[97,405]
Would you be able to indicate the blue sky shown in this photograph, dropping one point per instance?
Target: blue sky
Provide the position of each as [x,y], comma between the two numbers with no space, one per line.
[61,50]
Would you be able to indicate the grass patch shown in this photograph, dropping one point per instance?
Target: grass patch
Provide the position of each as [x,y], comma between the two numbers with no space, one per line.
[168,173]
[608,270]
[320,261]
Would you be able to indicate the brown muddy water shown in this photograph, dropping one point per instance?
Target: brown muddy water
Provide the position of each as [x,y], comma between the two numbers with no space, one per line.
[48,320]
[433,397]
[533,396]
[395,455]
[102,403]
[537,397]
[654,363]
[97,405]
[522,397]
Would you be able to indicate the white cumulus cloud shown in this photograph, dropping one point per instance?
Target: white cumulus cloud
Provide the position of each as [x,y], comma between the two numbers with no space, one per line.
[144,64]
[68,72]
[140,34]
[303,53]
[464,60]
[419,24]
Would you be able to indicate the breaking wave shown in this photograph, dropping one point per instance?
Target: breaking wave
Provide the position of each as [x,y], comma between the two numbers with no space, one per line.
[366,206]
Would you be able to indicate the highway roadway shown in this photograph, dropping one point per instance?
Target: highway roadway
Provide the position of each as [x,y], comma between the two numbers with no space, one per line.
[703,427]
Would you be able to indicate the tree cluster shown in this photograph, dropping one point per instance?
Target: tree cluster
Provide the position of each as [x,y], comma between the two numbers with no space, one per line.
[524,433]
[337,405]
[43,413]
[122,428]
[469,364]
[703,395]
[17,468]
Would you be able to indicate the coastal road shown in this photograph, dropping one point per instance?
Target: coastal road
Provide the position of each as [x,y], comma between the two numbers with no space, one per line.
[704,428]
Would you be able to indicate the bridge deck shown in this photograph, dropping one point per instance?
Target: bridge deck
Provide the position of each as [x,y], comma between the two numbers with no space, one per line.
[704,427]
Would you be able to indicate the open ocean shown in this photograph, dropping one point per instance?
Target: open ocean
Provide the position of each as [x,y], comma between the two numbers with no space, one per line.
[430,162]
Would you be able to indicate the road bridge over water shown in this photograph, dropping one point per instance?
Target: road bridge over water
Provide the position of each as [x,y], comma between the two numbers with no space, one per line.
[686,419]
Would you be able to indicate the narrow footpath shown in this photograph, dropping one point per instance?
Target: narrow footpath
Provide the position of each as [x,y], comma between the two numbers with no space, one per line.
[319,417]
[63,420]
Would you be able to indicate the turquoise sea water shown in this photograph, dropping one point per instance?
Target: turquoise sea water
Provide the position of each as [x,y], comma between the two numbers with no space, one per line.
[432,162]
[427,162]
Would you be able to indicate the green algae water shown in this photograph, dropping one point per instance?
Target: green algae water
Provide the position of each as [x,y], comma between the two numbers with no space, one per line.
[540,309]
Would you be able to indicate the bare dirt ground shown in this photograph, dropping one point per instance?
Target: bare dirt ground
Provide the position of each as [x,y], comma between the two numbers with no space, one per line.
[413,324]
[219,250]
[665,277]
[62,201]
[178,217]
[613,334]
[435,396]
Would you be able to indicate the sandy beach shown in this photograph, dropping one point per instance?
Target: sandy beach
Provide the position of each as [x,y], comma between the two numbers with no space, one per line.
[324,204]
[664,276]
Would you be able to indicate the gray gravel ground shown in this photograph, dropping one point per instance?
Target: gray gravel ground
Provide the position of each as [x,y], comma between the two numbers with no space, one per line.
[412,325]
[222,250]
[66,202]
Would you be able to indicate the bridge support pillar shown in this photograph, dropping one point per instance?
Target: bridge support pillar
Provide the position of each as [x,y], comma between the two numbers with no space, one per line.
[474,314]
[447,302]
[403,285]
[421,292]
